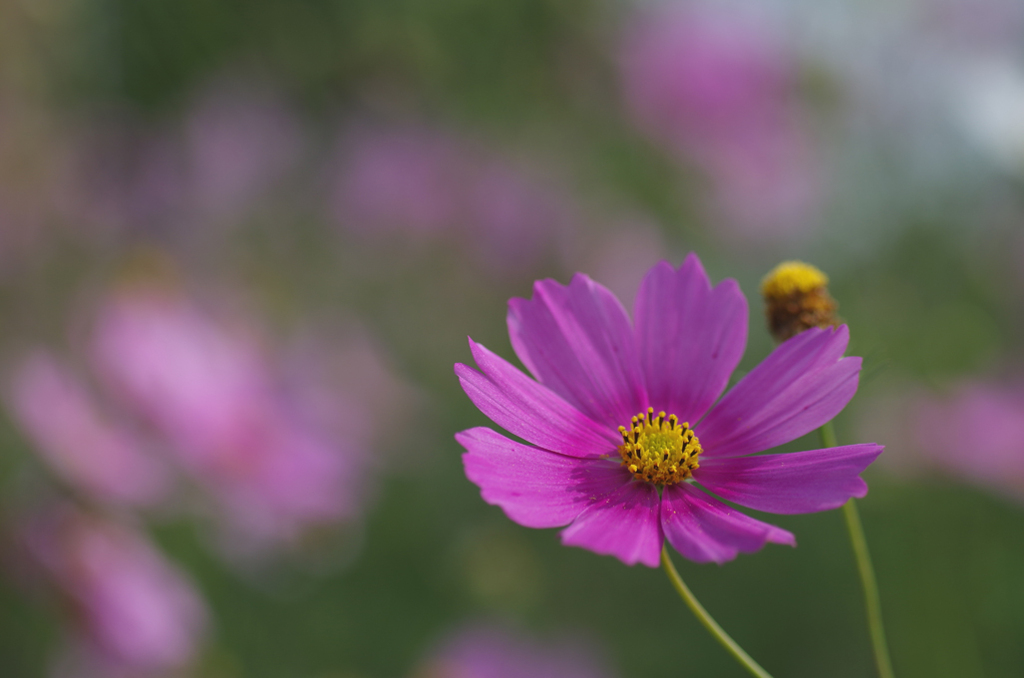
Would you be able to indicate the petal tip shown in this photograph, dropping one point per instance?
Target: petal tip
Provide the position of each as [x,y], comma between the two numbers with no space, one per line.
[651,560]
[580,278]
[462,436]
[691,259]
[783,537]
[840,334]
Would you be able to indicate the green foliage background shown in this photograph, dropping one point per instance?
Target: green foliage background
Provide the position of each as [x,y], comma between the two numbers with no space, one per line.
[930,301]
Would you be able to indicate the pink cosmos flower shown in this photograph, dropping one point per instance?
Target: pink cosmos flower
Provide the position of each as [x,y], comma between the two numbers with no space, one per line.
[994,413]
[210,391]
[719,90]
[133,613]
[609,447]
[424,183]
[489,652]
[339,380]
[101,457]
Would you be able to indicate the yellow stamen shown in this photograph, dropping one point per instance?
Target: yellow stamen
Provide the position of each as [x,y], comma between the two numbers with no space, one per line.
[658,449]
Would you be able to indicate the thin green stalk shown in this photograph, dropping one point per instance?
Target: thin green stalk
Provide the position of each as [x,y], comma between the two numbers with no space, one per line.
[710,624]
[872,601]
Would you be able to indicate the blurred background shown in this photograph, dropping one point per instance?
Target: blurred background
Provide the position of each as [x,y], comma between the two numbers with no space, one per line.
[243,242]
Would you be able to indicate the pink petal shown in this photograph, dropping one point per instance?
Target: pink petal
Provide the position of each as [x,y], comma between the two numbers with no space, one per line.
[623,524]
[530,410]
[577,341]
[534,487]
[690,337]
[704,529]
[486,650]
[800,482]
[103,458]
[137,614]
[804,383]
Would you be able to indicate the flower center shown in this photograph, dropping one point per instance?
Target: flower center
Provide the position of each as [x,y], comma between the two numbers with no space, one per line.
[659,450]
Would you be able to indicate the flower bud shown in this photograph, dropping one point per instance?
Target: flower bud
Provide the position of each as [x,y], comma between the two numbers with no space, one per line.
[796,299]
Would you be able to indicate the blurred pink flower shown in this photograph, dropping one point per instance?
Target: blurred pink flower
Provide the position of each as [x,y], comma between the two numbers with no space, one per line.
[210,390]
[239,141]
[404,180]
[211,168]
[426,182]
[512,215]
[132,614]
[339,380]
[993,414]
[105,460]
[720,91]
[489,652]
[621,256]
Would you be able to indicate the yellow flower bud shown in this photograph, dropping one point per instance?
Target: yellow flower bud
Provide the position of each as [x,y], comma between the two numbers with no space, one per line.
[796,299]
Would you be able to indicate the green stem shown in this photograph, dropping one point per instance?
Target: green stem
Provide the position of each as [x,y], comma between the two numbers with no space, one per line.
[872,601]
[710,624]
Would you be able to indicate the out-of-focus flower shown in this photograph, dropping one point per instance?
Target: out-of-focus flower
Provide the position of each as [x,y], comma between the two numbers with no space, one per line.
[720,91]
[239,141]
[233,146]
[131,614]
[107,461]
[209,390]
[607,419]
[485,651]
[994,415]
[405,181]
[426,182]
[620,256]
[513,216]
[339,380]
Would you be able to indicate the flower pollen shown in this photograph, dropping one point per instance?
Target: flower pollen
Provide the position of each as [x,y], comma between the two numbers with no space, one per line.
[659,450]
